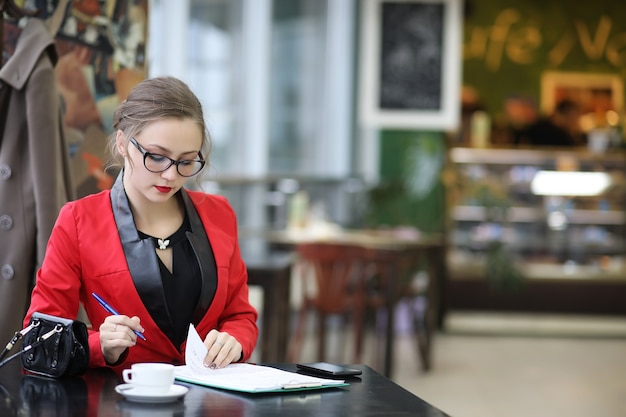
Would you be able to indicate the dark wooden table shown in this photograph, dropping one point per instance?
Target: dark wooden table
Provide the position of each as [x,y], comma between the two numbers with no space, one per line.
[94,395]
[396,256]
[271,270]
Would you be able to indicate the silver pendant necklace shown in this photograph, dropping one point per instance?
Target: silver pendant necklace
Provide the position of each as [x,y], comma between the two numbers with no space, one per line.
[163,243]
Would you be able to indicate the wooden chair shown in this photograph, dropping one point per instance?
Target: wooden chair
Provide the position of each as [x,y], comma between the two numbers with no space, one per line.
[358,278]
[338,289]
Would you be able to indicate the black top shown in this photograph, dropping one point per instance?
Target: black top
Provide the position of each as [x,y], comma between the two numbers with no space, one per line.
[182,286]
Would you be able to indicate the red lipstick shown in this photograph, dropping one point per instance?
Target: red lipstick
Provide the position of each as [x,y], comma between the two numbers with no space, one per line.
[163,189]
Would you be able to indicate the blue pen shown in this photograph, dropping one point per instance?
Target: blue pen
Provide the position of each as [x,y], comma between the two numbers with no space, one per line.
[111,310]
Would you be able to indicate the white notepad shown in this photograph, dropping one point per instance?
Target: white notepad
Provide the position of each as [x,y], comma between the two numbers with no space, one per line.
[243,377]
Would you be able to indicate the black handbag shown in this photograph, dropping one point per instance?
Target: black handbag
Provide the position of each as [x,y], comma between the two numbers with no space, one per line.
[59,346]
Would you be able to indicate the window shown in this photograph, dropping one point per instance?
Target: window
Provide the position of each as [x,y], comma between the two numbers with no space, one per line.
[275,79]
[304,53]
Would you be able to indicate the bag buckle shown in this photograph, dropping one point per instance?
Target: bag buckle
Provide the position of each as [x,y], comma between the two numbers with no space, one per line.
[17,336]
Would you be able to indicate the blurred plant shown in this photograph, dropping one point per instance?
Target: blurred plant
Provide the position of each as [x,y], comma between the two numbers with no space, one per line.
[391,204]
[491,194]
[501,270]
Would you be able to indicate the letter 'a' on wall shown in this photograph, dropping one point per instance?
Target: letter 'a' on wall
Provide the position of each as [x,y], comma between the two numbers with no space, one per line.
[410,64]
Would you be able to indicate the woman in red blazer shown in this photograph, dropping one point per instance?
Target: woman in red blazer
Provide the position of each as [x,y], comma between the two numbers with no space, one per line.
[161,255]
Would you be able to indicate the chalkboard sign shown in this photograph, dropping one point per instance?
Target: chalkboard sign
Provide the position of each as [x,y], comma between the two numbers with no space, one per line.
[410,64]
[410,56]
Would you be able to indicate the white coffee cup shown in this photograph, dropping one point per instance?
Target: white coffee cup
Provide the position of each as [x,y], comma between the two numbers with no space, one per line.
[155,378]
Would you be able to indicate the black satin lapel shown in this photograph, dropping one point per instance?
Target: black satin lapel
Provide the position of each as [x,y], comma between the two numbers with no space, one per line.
[202,249]
[141,258]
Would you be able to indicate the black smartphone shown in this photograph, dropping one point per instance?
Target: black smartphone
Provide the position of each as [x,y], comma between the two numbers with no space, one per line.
[327,369]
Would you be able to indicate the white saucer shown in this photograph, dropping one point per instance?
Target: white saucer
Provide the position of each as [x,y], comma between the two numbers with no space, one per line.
[132,394]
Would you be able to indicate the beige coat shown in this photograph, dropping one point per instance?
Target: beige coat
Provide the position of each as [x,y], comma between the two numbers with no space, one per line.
[35,179]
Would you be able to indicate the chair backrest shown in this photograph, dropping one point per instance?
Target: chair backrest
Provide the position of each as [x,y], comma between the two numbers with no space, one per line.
[338,276]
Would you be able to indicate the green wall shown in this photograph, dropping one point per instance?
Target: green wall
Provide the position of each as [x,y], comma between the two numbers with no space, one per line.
[410,192]
[509,43]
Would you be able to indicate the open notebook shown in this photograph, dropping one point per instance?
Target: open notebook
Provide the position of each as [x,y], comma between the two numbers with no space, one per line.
[243,377]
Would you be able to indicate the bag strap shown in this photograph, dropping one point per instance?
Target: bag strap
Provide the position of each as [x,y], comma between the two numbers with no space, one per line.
[17,336]
[56,329]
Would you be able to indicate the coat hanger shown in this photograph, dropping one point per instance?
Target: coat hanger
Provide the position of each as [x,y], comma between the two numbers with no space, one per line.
[10,9]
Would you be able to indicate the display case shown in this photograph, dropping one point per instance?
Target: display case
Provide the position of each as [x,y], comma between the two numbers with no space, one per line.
[536,229]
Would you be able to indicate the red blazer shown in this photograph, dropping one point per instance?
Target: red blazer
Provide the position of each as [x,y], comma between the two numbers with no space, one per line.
[86,254]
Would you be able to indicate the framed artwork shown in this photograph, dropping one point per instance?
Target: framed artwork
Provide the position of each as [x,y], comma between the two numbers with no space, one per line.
[593,92]
[410,70]
[101,46]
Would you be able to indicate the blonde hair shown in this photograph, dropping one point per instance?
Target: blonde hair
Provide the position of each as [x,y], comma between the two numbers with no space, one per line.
[156,99]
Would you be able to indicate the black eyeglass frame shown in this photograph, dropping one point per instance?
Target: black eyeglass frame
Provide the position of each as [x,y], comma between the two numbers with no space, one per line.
[147,154]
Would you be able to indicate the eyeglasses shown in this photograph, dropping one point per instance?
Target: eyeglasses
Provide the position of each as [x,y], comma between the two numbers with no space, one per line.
[159,163]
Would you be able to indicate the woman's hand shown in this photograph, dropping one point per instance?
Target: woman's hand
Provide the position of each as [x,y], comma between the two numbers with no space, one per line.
[223,349]
[117,335]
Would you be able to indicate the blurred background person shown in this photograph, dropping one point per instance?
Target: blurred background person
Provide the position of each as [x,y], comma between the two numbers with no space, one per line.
[561,128]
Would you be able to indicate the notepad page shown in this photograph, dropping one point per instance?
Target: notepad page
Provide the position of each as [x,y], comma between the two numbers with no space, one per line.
[240,376]
[251,378]
[195,351]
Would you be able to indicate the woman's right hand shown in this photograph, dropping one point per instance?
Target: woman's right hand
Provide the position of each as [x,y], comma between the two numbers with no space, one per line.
[116,335]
